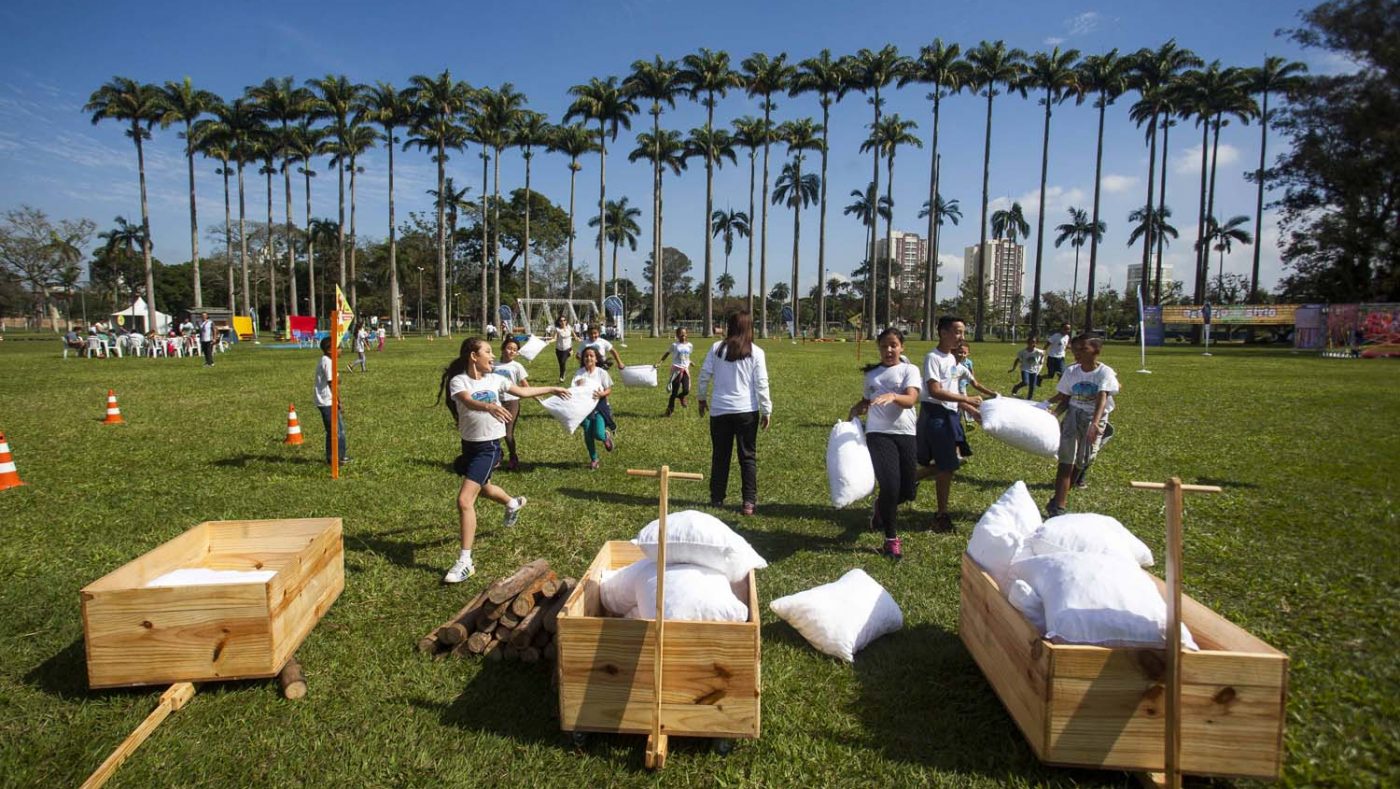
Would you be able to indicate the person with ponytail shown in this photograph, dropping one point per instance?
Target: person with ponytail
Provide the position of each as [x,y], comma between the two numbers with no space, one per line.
[474,398]
[891,393]
[735,377]
[512,370]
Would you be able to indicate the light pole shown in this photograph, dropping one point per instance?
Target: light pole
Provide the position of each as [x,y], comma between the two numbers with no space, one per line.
[420,299]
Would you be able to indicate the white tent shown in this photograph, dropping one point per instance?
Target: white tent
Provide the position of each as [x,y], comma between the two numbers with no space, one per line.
[135,317]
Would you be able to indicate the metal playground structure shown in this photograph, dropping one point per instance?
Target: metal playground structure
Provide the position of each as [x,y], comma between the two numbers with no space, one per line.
[530,313]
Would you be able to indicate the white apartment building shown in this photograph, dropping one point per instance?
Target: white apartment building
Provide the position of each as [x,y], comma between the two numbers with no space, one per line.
[1005,274]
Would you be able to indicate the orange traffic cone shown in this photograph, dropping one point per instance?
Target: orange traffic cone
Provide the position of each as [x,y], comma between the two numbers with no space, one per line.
[293,427]
[9,477]
[114,414]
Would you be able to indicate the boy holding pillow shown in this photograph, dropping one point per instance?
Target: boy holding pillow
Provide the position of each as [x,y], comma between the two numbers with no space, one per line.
[1085,396]
[939,429]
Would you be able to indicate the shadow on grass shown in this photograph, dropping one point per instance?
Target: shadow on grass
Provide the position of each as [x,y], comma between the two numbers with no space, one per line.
[64,675]
[401,553]
[1225,483]
[242,459]
[511,700]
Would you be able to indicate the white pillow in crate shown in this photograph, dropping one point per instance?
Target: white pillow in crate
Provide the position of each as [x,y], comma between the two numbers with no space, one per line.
[694,537]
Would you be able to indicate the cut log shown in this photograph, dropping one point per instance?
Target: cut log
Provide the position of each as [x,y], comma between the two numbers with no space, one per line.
[494,611]
[519,581]
[509,621]
[532,623]
[429,644]
[529,655]
[550,588]
[494,651]
[528,597]
[556,605]
[486,626]
[292,680]
[456,629]
[477,642]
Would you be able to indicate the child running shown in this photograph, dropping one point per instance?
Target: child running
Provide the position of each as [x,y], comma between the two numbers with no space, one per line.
[970,414]
[1029,359]
[511,370]
[474,398]
[361,345]
[593,376]
[1085,396]
[604,349]
[939,430]
[891,392]
[679,385]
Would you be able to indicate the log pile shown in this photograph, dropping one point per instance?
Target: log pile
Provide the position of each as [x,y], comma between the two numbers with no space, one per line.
[511,619]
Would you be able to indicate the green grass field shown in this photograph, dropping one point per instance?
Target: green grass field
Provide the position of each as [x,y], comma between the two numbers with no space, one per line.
[1301,549]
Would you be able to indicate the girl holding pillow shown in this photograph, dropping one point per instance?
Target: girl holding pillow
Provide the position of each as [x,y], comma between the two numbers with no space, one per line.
[592,374]
[511,370]
[891,392]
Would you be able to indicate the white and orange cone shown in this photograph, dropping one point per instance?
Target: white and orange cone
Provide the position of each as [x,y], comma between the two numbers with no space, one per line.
[114,414]
[9,477]
[293,426]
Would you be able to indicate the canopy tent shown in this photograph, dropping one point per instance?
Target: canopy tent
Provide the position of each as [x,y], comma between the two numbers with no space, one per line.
[135,317]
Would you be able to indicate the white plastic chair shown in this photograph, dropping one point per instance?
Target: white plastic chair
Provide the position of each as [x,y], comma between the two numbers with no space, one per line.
[94,346]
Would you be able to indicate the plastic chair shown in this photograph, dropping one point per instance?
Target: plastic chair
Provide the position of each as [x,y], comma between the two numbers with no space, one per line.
[95,346]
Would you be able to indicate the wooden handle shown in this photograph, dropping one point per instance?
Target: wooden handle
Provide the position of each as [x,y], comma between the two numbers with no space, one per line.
[177,696]
[1186,488]
[647,472]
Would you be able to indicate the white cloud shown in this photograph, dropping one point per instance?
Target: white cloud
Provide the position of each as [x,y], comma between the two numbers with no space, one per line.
[1057,198]
[1334,63]
[950,268]
[1188,162]
[1118,183]
[1083,23]
[1053,41]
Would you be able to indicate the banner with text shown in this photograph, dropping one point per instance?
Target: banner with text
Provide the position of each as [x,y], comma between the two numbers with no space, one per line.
[1258,314]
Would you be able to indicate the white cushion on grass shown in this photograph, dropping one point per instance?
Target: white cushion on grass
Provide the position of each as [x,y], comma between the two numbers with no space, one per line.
[694,537]
[1085,532]
[998,534]
[1022,425]
[532,347]
[571,411]
[639,375]
[1028,602]
[1097,599]
[850,475]
[841,617]
[617,589]
[693,594]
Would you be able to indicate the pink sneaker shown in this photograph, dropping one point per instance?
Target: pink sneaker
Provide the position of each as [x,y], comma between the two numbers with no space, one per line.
[593,465]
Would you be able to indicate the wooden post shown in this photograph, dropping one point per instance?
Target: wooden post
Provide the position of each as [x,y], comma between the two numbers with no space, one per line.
[1171,760]
[171,700]
[657,744]
[291,680]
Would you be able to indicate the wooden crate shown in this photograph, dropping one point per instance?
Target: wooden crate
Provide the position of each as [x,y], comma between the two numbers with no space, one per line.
[1087,706]
[605,665]
[140,635]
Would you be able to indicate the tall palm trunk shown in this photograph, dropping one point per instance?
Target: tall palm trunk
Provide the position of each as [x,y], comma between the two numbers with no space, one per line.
[874,225]
[1161,206]
[661,230]
[763,227]
[1210,200]
[709,209]
[441,244]
[573,177]
[1201,251]
[656,323]
[1094,223]
[354,301]
[1259,201]
[1150,235]
[271,263]
[394,306]
[753,159]
[496,227]
[310,248]
[527,229]
[793,300]
[291,246]
[487,316]
[889,242]
[1074,286]
[982,228]
[145,231]
[451,262]
[228,240]
[931,274]
[821,228]
[340,232]
[1040,218]
[194,218]
[602,215]
[243,242]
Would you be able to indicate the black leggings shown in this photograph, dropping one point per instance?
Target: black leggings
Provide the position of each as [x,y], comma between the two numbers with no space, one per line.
[679,386]
[895,475]
[725,431]
[563,358]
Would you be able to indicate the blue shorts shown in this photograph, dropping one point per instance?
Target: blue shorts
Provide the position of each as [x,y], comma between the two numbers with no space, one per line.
[477,461]
[939,433]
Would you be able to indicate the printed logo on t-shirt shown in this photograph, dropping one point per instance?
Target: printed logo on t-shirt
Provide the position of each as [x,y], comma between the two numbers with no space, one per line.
[1084,390]
[484,396]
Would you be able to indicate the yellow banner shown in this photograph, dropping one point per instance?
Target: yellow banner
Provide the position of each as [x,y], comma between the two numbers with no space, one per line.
[1258,314]
[342,306]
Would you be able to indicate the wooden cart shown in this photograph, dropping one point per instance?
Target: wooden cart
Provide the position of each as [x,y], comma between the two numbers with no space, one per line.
[609,668]
[1119,708]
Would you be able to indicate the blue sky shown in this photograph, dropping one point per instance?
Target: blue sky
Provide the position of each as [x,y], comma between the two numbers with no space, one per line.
[58,53]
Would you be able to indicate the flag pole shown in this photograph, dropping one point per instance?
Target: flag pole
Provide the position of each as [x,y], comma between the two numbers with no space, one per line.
[333,441]
[1142,332]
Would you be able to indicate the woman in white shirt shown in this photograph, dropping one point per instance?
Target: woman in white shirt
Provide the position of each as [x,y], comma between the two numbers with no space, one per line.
[511,370]
[474,398]
[735,376]
[891,393]
[563,336]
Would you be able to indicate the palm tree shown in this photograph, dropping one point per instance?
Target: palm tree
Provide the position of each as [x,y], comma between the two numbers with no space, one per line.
[604,101]
[1106,75]
[868,209]
[389,107]
[359,138]
[573,141]
[140,106]
[214,143]
[338,98]
[1232,97]
[940,66]
[183,103]
[1223,238]
[1077,232]
[713,146]
[237,127]
[280,101]
[727,225]
[797,191]
[991,65]
[725,283]
[764,76]
[305,144]
[480,130]
[124,237]
[1055,73]
[707,74]
[828,79]
[1010,223]
[266,149]
[453,200]
[437,102]
[948,210]
[890,133]
[869,71]
[500,110]
[531,129]
[750,133]
[1276,75]
[657,80]
[621,227]
[670,153]
[1149,223]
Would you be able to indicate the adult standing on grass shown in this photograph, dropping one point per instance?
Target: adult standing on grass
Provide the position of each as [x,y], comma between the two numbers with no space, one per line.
[206,338]
[323,401]
[734,376]
[1055,348]
[940,429]
[474,398]
[891,391]
[562,335]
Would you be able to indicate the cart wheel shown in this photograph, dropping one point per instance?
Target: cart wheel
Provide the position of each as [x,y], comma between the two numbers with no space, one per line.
[578,739]
[722,745]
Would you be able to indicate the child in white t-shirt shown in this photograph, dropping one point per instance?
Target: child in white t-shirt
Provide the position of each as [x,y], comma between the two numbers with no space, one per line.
[361,344]
[605,349]
[679,384]
[890,395]
[510,368]
[474,398]
[592,375]
[1030,359]
[1085,396]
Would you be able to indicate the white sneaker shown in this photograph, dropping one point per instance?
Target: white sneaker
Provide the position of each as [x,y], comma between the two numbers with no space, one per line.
[460,572]
[513,512]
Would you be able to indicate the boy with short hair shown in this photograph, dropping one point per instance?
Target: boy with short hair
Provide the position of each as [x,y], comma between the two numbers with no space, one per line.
[322,392]
[939,430]
[1085,396]
[1030,359]
[1055,351]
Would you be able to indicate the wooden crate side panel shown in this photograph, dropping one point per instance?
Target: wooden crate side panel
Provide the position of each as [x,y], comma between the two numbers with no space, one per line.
[1008,649]
[621,553]
[304,590]
[1197,668]
[1214,632]
[188,549]
[170,634]
[286,535]
[603,685]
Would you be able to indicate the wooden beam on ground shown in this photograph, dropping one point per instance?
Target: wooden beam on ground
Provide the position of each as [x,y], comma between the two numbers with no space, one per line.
[174,698]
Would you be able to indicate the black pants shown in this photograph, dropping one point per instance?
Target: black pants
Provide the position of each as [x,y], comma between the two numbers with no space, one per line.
[605,411]
[680,388]
[208,347]
[563,359]
[895,475]
[725,430]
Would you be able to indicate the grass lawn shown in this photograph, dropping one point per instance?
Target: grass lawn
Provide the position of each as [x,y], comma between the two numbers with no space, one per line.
[1302,549]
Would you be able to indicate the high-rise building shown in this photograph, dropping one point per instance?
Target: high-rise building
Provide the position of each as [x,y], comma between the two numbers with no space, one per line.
[1135,277]
[911,252]
[1005,275]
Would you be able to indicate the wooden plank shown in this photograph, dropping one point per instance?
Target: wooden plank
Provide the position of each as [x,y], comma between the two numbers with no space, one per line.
[275,535]
[313,582]
[172,700]
[1074,661]
[1213,631]
[187,549]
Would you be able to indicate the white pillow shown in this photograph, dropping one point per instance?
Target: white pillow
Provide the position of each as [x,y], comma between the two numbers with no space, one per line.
[693,594]
[573,410]
[1085,532]
[1097,599]
[997,536]
[1028,602]
[841,617]
[1022,425]
[694,537]
[639,375]
[617,589]
[850,474]
[532,347]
